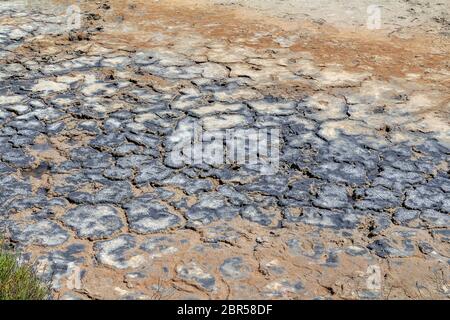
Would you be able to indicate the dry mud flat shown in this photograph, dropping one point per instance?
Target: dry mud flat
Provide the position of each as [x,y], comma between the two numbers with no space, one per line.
[359,208]
[401,17]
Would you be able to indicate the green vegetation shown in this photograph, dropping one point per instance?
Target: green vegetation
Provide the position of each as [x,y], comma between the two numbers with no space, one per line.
[19,281]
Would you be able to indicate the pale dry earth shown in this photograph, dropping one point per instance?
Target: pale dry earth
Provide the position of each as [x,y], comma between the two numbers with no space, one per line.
[88,118]
[401,17]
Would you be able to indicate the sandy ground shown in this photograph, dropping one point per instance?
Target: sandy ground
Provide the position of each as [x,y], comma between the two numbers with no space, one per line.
[398,17]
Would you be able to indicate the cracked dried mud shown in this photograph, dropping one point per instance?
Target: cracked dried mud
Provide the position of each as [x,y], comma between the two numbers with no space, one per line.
[87,118]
